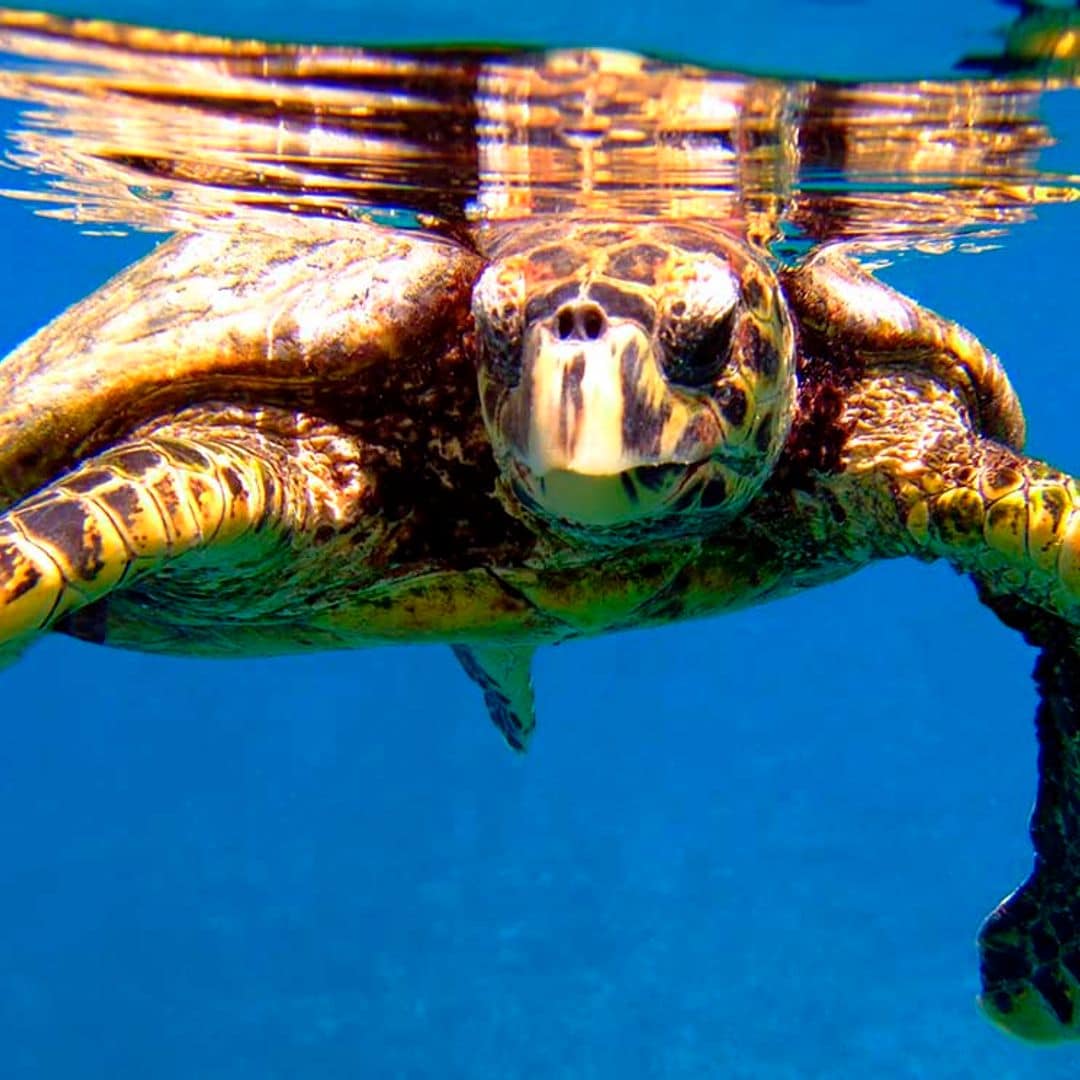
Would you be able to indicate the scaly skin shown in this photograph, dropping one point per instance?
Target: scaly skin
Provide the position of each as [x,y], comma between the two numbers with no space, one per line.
[228,510]
[122,515]
[989,510]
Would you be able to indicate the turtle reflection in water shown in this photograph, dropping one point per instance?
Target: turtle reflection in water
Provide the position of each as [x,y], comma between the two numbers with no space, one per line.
[546,428]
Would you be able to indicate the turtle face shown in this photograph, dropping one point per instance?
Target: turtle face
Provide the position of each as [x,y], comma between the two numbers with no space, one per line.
[633,375]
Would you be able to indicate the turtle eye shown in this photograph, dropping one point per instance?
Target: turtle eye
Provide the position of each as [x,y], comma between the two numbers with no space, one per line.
[699,361]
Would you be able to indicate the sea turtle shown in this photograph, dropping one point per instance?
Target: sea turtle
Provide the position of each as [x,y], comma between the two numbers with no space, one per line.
[247,444]
[330,434]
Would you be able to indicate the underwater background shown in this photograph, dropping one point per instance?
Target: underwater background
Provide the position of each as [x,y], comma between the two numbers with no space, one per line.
[758,846]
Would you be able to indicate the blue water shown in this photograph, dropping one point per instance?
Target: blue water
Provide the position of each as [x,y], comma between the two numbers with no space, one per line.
[753,847]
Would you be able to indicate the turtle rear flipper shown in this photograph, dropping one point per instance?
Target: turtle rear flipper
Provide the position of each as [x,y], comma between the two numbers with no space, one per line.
[1030,945]
[504,673]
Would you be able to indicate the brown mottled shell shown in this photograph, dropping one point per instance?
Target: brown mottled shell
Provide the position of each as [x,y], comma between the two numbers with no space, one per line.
[275,320]
[849,317]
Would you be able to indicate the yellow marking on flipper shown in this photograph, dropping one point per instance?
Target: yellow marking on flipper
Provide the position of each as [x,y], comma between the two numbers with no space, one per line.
[931,483]
[1068,560]
[208,503]
[31,586]
[81,539]
[73,550]
[918,521]
[1028,1017]
[917,517]
[1048,508]
[1006,525]
[958,516]
[1012,521]
[121,514]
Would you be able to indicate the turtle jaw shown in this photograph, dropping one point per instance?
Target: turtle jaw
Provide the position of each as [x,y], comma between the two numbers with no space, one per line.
[606,501]
[593,432]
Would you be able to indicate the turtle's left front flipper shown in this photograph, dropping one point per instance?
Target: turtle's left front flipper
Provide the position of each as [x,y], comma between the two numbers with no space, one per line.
[1030,946]
[1013,525]
[931,464]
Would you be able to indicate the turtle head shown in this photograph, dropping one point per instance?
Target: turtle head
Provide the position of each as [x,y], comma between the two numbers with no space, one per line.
[638,375]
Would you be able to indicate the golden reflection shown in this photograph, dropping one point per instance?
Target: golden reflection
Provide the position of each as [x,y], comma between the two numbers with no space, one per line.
[174,131]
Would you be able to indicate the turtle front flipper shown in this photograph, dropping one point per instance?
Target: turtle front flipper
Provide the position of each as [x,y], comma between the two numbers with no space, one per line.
[1030,945]
[929,464]
[932,487]
[931,428]
[916,470]
[133,509]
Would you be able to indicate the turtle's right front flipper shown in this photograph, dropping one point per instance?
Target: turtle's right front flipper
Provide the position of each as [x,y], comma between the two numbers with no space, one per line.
[130,511]
[310,318]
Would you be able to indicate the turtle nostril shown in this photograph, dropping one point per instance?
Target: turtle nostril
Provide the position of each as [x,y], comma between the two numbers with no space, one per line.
[592,322]
[580,322]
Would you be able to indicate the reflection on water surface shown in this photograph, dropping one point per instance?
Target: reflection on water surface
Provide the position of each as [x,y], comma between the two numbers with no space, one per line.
[173,130]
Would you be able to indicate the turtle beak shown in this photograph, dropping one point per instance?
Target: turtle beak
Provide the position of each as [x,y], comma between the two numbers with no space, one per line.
[597,434]
[598,408]
[575,424]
